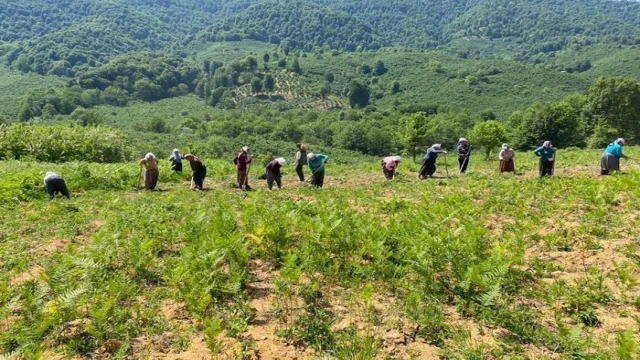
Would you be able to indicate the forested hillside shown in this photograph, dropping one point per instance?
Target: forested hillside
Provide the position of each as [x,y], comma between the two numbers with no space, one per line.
[330,72]
[66,36]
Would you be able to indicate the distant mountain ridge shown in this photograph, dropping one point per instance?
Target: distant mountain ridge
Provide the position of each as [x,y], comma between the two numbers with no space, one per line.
[69,36]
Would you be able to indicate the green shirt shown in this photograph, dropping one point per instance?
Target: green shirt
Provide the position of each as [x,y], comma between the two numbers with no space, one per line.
[545,153]
[317,162]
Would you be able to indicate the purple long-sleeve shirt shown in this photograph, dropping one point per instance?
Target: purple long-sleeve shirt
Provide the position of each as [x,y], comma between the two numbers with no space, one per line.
[274,166]
[243,160]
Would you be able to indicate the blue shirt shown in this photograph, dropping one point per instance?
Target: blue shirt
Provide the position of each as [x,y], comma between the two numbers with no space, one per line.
[615,150]
[546,153]
[432,154]
[317,162]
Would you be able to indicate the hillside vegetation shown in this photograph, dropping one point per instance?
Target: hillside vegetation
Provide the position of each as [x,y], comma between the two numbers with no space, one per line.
[494,266]
[462,266]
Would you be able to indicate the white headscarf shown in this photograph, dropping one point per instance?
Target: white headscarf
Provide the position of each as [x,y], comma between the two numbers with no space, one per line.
[462,140]
[311,156]
[176,155]
[505,146]
[436,146]
[396,158]
[149,156]
[620,141]
[49,175]
[281,161]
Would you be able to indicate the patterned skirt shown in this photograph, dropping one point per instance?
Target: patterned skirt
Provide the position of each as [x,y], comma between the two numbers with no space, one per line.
[507,166]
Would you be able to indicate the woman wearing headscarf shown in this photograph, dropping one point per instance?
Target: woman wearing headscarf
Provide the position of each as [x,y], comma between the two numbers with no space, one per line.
[389,166]
[242,160]
[429,161]
[301,161]
[316,164]
[546,153]
[506,159]
[199,171]
[610,160]
[273,172]
[176,160]
[150,163]
[463,151]
[55,185]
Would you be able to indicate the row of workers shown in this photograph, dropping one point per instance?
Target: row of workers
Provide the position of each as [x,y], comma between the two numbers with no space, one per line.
[610,161]
[242,162]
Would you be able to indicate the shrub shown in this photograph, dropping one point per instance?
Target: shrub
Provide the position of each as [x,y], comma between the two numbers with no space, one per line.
[61,143]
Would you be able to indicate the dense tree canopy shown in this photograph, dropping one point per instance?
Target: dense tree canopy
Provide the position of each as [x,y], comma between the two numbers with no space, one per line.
[67,36]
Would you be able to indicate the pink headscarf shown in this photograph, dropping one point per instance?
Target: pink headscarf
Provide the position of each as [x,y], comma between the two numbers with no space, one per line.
[547,144]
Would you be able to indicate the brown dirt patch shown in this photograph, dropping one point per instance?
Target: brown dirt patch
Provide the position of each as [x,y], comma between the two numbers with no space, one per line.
[263,327]
[24,277]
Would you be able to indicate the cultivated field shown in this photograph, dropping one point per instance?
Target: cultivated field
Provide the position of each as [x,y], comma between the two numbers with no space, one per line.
[479,266]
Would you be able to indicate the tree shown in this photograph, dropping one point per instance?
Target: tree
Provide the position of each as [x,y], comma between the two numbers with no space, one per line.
[147,91]
[113,96]
[413,135]
[84,117]
[250,63]
[256,85]
[158,125]
[395,87]
[366,69]
[282,63]
[325,91]
[216,96]
[49,111]
[379,69]
[359,95]
[488,115]
[266,57]
[330,77]
[616,101]
[269,83]
[489,135]
[561,123]
[295,67]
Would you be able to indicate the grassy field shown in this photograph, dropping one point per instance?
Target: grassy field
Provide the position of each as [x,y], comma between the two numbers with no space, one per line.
[16,85]
[474,266]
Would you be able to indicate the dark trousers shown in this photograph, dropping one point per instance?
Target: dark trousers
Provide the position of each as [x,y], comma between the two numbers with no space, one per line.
[198,177]
[57,186]
[317,178]
[177,167]
[151,179]
[273,177]
[388,174]
[546,168]
[428,168]
[243,179]
[300,172]
[463,163]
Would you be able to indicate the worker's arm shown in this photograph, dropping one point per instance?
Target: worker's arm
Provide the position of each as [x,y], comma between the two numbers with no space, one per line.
[538,151]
